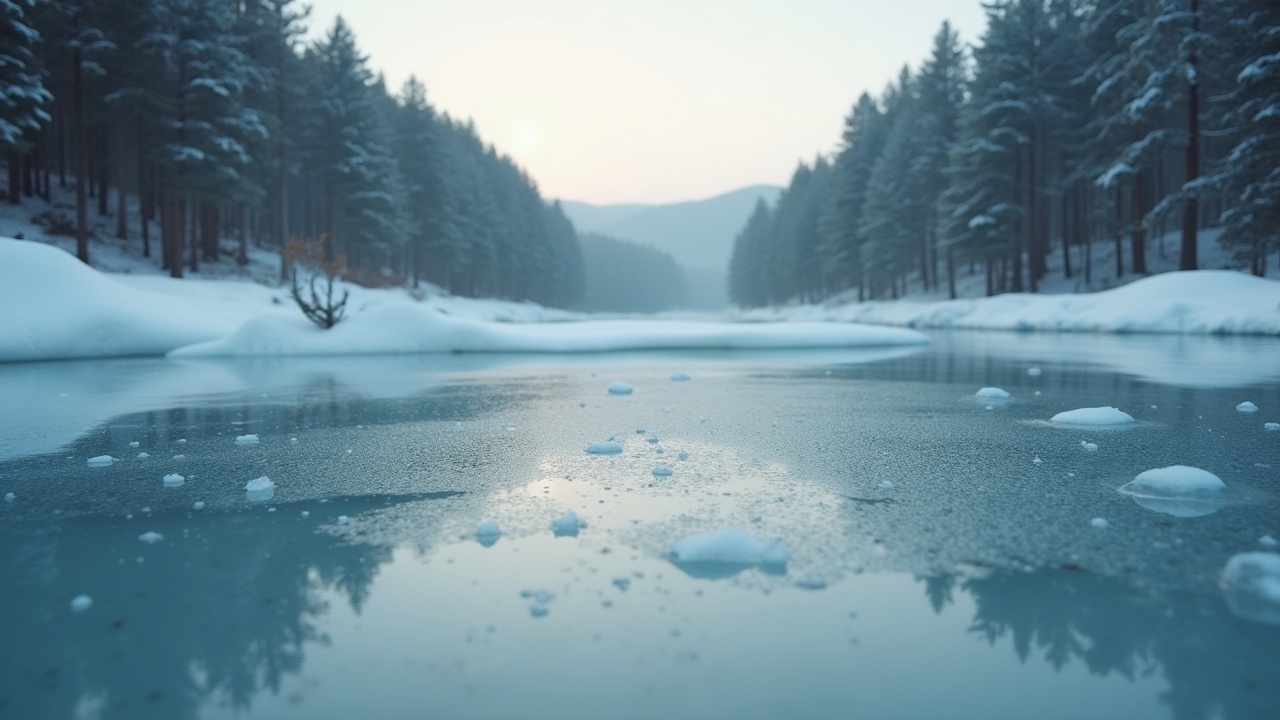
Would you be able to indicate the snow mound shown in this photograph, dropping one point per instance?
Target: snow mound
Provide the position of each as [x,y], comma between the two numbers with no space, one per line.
[567,525]
[1093,416]
[607,447]
[260,489]
[1177,490]
[1251,582]
[246,439]
[617,387]
[100,461]
[1247,406]
[726,552]
[174,480]
[151,538]
[992,393]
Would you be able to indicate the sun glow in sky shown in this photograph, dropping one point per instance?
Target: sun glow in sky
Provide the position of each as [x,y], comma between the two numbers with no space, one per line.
[610,101]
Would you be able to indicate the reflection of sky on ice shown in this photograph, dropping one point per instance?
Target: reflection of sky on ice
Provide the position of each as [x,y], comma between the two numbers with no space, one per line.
[977,570]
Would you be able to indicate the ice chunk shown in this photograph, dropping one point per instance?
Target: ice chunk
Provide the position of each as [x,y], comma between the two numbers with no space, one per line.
[197,505]
[1093,416]
[617,387]
[640,430]
[173,480]
[538,610]
[679,376]
[567,524]
[9,497]
[1177,490]
[182,441]
[1037,461]
[80,603]
[992,393]
[622,583]
[343,520]
[246,439]
[652,439]
[1268,542]
[135,444]
[1100,523]
[101,461]
[1088,446]
[150,538]
[1033,371]
[727,552]
[260,489]
[305,514]
[608,447]
[488,532]
[1272,426]
[1251,582]
[1247,406]
[661,471]
[143,456]
[886,484]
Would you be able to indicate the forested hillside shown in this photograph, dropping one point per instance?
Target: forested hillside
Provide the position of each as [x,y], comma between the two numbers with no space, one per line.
[1070,123]
[628,277]
[194,120]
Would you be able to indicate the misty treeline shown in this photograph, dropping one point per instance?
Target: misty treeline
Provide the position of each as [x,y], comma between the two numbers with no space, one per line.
[625,277]
[1072,122]
[194,120]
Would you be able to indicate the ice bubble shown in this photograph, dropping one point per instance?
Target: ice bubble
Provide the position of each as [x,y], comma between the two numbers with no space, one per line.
[9,497]
[260,489]
[246,439]
[1251,582]
[1093,416]
[488,532]
[343,520]
[80,603]
[1033,371]
[886,484]
[1247,406]
[1100,523]
[608,447]
[1177,490]
[679,376]
[682,455]
[197,505]
[567,524]
[1272,426]
[727,552]
[135,444]
[143,456]
[617,387]
[538,610]
[150,538]
[661,471]
[1268,541]
[1088,446]
[622,583]
[101,461]
[992,393]
[173,480]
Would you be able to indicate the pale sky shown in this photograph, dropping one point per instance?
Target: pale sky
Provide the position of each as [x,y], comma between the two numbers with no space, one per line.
[649,101]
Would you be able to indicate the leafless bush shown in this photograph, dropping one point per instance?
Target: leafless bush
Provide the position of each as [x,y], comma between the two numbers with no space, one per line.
[312,280]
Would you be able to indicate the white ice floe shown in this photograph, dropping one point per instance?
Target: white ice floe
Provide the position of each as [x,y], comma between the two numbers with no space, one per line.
[886,484]
[101,461]
[150,538]
[661,471]
[729,547]
[143,456]
[246,439]
[1178,490]
[567,524]
[260,489]
[1037,461]
[679,376]
[606,447]
[1251,582]
[1097,416]
[1100,523]
[1247,406]
[174,480]
[197,505]
[992,393]
[344,520]
[617,387]
[1271,426]
[488,532]
[1033,371]
[1088,446]
[80,603]
[9,497]
[135,444]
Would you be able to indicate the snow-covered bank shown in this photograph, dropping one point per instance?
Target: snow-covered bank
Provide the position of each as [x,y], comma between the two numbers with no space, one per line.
[1200,302]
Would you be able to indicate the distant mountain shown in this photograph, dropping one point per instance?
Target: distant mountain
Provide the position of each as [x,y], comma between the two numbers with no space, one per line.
[698,234]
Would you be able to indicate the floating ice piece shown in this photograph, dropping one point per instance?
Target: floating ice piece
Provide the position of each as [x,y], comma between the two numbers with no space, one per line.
[150,538]
[143,456]
[1033,371]
[886,484]
[246,439]
[1247,406]
[682,455]
[197,505]
[992,393]
[343,520]
[1100,523]
[640,430]
[608,447]
[305,513]
[101,461]
[622,583]
[488,532]
[1093,416]
[173,480]
[727,552]
[812,584]
[179,457]
[1037,461]
[661,471]
[538,610]
[260,489]
[1088,446]
[1272,426]
[1251,582]
[567,524]
[1177,490]
[1268,542]
[182,441]
[9,497]
[80,603]
[652,439]
[135,444]
[617,387]
[679,376]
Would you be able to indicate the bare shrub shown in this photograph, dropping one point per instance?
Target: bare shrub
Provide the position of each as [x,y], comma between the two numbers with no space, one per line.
[312,278]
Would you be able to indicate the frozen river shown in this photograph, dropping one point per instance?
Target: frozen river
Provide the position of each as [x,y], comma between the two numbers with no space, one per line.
[946,556]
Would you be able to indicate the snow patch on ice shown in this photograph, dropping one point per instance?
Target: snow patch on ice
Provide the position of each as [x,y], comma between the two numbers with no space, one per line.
[1093,416]
[151,538]
[617,387]
[1271,426]
[259,489]
[1088,446]
[1177,490]
[1251,582]
[725,552]
[174,480]
[606,447]
[100,461]
[1100,523]
[80,603]
[246,439]
[662,471]
[567,525]
[992,393]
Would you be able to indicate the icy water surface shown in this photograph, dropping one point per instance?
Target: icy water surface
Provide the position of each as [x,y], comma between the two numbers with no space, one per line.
[944,555]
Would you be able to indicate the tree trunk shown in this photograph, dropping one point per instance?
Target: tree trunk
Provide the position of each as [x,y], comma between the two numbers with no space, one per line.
[144,198]
[15,180]
[1187,259]
[122,219]
[1138,238]
[82,165]
[242,256]
[1119,234]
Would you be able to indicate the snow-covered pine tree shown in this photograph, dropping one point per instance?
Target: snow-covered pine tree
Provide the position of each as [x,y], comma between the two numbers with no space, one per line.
[23,96]
[840,225]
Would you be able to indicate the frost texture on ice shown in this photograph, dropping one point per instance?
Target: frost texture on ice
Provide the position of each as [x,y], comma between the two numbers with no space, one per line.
[617,387]
[1251,582]
[1247,406]
[567,525]
[1100,523]
[1097,416]
[246,439]
[151,538]
[173,480]
[992,393]
[488,532]
[607,447]
[80,603]
[722,553]
[1178,490]
[661,471]
[101,461]
[260,489]
[679,376]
